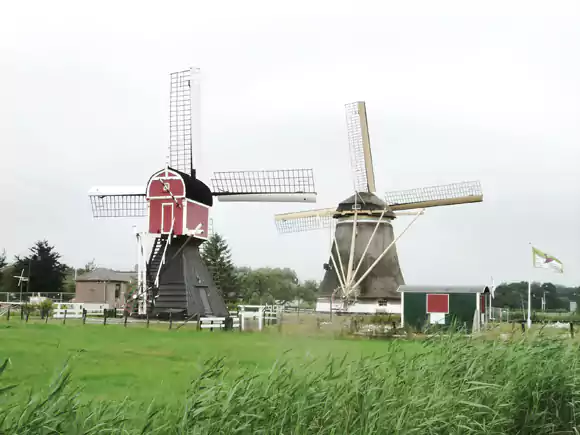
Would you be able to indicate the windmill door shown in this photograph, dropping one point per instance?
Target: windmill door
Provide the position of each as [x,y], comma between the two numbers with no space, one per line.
[166,218]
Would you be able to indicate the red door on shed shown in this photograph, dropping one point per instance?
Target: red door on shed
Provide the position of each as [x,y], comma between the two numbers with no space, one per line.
[438,303]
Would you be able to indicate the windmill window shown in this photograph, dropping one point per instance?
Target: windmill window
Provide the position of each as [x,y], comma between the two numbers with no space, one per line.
[383,303]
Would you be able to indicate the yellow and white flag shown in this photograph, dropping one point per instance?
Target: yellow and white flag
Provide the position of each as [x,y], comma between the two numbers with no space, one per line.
[546,261]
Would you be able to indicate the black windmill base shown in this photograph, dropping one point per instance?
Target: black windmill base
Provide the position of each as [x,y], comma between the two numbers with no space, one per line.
[186,288]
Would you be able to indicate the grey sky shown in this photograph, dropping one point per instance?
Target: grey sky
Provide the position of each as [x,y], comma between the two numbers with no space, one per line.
[454,91]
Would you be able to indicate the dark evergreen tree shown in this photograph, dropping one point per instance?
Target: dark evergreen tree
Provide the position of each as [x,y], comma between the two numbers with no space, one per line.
[43,267]
[218,259]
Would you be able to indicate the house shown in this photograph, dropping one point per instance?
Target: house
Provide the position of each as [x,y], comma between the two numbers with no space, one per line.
[466,306]
[105,286]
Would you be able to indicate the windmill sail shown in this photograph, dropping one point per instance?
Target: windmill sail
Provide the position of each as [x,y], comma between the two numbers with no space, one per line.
[180,143]
[361,159]
[310,220]
[286,185]
[304,221]
[435,196]
[118,201]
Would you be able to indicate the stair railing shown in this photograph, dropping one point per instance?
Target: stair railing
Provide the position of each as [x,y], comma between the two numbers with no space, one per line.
[164,253]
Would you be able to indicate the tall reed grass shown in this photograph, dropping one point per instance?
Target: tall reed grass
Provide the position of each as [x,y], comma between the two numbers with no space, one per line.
[453,385]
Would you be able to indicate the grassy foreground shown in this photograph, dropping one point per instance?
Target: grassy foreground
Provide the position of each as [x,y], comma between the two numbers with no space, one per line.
[245,383]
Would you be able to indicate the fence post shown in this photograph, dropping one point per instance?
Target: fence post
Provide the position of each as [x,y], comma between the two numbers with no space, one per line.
[27,315]
[84,316]
[147,316]
[8,314]
[64,318]
[104,316]
[125,321]
[199,323]
[21,312]
[170,320]
[279,320]
[571,330]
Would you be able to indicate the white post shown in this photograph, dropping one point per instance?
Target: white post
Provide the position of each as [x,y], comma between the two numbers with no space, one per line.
[344,282]
[349,276]
[242,315]
[478,312]
[340,276]
[260,317]
[402,309]
[529,304]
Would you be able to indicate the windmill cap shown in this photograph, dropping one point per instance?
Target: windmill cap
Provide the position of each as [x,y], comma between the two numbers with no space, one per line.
[366,203]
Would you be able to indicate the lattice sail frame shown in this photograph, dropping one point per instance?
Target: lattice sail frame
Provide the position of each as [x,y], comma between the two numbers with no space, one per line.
[118,201]
[180,137]
[361,159]
[435,196]
[310,220]
[284,185]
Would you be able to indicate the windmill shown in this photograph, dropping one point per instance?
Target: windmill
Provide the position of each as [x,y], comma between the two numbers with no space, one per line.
[21,279]
[172,278]
[363,272]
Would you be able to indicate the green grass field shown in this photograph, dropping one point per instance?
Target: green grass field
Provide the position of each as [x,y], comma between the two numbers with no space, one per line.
[137,380]
[112,362]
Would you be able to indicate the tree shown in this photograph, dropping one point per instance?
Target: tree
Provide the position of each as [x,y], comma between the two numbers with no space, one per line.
[268,285]
[43,267]
[218,259]
[308,291]
[89,267]
[515,296]
[2,267]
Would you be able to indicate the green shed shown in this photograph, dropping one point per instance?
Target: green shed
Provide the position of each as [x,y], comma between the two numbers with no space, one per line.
[467,306]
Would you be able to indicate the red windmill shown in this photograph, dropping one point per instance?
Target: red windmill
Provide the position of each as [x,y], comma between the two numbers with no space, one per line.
[173,278]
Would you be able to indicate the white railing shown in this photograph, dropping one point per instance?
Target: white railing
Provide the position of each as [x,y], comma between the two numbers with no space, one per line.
[217,323]
[162,262]
[75,310]
[259,313]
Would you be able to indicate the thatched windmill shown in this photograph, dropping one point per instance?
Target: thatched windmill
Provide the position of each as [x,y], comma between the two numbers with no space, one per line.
[363,272]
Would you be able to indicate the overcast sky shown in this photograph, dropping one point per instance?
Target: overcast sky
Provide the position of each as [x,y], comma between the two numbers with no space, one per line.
[455,91]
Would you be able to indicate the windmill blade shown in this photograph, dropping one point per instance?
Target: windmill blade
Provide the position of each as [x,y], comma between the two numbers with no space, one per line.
[286,185]
[180,143]
[118,201]
[435,196]
[304,220]
[361,159]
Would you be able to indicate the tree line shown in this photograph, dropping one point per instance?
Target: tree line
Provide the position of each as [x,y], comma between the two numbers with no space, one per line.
[264,285]
[515,295]
[48,274]
[42,267]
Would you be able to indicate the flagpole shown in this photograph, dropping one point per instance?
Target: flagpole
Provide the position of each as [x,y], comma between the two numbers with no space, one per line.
[530,292]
